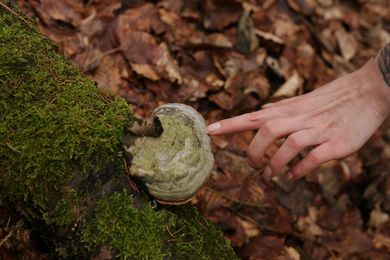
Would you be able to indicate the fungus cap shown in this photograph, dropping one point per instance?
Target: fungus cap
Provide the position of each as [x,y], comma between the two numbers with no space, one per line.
[174,165]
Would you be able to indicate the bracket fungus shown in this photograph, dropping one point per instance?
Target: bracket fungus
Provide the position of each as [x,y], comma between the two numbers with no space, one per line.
[173,164]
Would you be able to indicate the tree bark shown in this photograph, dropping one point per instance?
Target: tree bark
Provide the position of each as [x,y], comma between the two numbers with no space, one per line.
[62,167]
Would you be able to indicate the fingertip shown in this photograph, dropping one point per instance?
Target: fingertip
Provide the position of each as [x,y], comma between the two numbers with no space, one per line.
[213,128]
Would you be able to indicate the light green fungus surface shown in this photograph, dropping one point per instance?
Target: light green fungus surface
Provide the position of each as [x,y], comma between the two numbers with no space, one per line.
[175,164]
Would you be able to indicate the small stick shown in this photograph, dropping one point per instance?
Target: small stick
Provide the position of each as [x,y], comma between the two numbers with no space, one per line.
[6,238]
[14,13]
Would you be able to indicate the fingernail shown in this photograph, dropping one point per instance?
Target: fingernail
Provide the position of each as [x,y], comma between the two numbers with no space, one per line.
[267,172]
[213,127]
[289,176]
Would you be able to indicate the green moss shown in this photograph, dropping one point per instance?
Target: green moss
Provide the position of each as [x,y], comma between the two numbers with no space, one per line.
[147,233]
[54,121]
[63,214]
[192,237]
[134,233]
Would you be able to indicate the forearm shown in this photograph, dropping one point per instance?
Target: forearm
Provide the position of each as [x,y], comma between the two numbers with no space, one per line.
[383,58]
[374,76]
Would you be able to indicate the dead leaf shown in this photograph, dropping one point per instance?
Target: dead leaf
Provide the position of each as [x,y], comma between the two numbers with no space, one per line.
[347,44]
[147,57]
[308,226]
[378,218]
[380,241]
[257,83]
[264,247]
[295,196]
[142,18]
[223,100]
[354,242]
[250,228]
[270,37]
[291,87]
[220,13]
[232,225]
[111,73]
[301,6]
[293,253]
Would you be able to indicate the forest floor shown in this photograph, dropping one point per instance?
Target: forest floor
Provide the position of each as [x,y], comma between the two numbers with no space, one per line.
[228,57]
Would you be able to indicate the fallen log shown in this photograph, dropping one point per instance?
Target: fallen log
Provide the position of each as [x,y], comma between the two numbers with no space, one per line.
[62,166]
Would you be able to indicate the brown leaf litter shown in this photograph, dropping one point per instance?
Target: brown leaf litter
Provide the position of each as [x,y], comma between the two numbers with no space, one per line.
[228,57]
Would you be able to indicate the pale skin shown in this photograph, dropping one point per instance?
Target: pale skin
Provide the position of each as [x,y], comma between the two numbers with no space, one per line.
[330,122]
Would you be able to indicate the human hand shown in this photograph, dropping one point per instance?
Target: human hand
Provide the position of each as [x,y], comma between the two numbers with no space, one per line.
[336,119]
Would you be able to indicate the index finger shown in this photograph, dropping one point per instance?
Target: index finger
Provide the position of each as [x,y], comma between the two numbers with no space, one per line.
[244,122]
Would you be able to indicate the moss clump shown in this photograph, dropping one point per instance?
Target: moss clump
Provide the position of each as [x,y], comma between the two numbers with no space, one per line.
[132,233]
[192,237]
[147,233]
[54,121]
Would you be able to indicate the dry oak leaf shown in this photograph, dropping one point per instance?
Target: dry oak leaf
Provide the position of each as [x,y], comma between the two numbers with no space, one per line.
[291,87]
[378,217]
[301,6]
[111,73]
[347,43]
[223,100]
[353,242]
[208,200]
[143,18]
[104,8]
[221,13]
[251,229]
[381,241]
[50,12]
[178,31]
[181,32]
[231,224]
[308,226]
[147,57]
[265,248]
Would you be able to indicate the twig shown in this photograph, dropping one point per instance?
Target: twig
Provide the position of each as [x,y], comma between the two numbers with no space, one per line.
[12,148]
[9,221]
[95,61]
[177,231]
[6,237]
[166,226]
[14,13]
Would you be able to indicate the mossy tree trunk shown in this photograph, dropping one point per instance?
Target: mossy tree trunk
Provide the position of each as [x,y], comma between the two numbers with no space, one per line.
[62,167]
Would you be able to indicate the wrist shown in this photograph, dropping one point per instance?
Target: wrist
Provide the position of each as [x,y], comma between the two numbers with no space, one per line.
[371,78]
